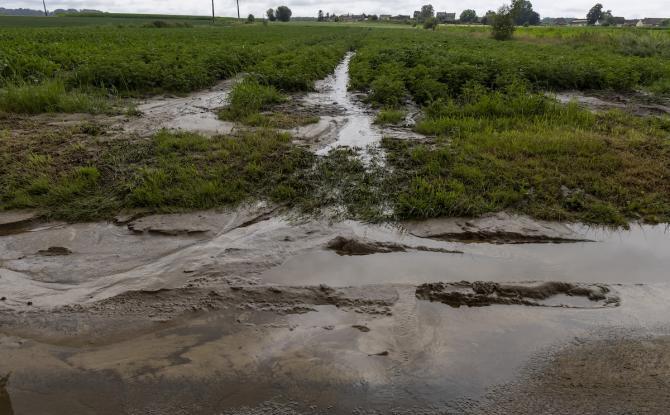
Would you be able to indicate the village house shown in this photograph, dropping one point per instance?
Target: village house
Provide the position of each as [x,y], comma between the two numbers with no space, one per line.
[401,18]
[654,22]
[579,22]
[385,17]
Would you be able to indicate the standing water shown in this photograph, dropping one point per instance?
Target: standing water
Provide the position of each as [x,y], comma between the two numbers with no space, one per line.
[358,130]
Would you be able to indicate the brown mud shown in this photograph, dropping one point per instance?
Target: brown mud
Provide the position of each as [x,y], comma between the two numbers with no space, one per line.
[483,293]
[353,246]
[597,101]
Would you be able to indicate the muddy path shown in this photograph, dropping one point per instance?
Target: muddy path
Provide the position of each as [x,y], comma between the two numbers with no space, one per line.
[256,310]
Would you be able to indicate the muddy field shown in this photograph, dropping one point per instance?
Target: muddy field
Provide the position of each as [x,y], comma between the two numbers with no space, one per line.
[261,309]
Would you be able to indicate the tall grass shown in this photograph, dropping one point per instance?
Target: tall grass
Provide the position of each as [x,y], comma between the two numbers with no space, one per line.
[49,96]
[249,97]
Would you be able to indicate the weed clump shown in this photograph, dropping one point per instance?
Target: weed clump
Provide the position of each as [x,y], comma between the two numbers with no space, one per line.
[390,116]
[250,97]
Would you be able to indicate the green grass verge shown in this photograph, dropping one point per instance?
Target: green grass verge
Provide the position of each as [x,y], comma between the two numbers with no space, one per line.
[390,116]
[50,96]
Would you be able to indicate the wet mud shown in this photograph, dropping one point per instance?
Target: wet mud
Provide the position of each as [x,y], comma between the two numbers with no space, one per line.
[501,228]
[598,101]
[194,112]
[482,293]
[353,246]
[254,311]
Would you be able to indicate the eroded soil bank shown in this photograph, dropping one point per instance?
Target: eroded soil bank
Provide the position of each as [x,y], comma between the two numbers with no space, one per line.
[254,311]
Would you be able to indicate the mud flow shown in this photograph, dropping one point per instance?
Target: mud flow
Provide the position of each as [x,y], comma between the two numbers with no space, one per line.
[598,101]
[194,112]
[258,311]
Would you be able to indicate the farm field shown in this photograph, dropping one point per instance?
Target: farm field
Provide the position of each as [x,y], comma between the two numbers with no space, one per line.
[309,218]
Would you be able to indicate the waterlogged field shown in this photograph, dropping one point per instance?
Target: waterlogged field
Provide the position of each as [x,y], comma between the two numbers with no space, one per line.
[494,139]
[168,293]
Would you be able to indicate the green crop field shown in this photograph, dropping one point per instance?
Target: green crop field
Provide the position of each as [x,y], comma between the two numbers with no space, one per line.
[495,141]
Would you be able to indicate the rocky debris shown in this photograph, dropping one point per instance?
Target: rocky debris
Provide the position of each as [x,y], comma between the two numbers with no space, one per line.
[13,221]
[54,251]
[501,228]
[354,246]
[480,293]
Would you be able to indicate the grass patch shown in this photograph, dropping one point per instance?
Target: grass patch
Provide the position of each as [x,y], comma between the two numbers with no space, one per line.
[520,152]
[279,120]
[49,96]
[390,117]
[248,98]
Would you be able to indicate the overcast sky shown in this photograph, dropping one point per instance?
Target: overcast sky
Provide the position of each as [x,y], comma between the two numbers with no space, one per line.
[546,8]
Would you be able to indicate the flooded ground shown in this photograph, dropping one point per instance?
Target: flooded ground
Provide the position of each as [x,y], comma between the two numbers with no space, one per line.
[194,112]
[636,103]
[258,310]
[255,312]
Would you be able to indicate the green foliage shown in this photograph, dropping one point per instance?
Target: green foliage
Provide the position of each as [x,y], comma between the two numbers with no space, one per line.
[283,13]
[430,23]
[468,16]
[249,97]
[502,27]
[390,116]
[49,96]
[594,14]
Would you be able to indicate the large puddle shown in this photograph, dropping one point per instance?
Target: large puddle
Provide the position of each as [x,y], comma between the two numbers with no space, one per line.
[254,313]
[639,255]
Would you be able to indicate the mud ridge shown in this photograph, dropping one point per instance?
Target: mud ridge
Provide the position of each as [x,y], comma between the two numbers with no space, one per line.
[497,228]
[354,246]
[481,294]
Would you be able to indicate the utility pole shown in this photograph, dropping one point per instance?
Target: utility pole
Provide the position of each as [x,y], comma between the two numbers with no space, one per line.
[213,11]
[46,13]
[238,9]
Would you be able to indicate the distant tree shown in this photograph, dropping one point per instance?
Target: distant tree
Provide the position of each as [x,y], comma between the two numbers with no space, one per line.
[283,14]
[488,17]
[427,12]
[665,23]
[502,26]
[373,17]
[606,18]
[468,16]
[594,15]
[251,18]
[327,16]
[430,23]
[523,14]
[271,15]
[320,16]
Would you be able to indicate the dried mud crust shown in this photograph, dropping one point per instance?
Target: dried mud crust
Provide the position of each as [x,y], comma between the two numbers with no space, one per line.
[353,246]
[614,376]
[480,294]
